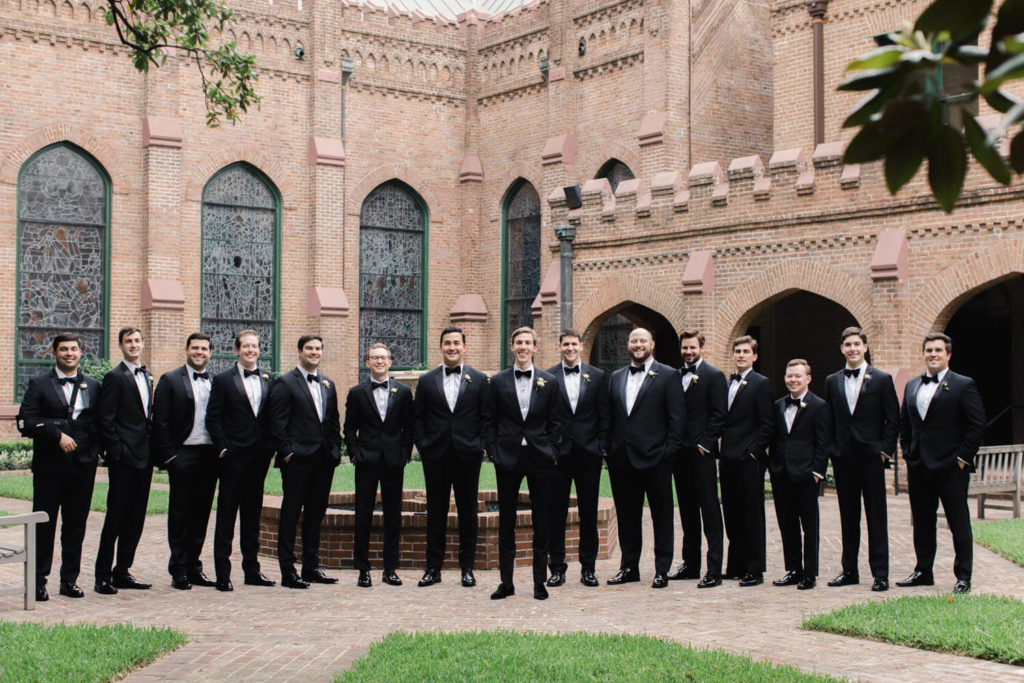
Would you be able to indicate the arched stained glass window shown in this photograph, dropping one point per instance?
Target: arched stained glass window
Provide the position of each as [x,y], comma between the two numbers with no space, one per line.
[63,219]
[615,171]
[240,247]
[392,278]
[521,260]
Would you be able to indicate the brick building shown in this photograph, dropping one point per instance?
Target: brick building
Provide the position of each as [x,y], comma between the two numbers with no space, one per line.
[406,173]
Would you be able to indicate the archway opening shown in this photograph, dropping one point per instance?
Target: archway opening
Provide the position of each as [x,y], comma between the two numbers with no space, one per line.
[610,351]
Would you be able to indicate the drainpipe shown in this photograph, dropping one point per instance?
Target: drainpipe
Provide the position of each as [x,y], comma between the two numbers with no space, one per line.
[817,10]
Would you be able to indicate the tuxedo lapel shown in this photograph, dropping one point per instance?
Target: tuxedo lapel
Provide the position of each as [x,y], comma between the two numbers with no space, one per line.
[239,385]
[839,391]
[367,389]
[440,384]
[915,386]
[462,385]
[583,384]
[800,410]
[58,390]
[299,378]
[187,384]
[560,381]
[510,383]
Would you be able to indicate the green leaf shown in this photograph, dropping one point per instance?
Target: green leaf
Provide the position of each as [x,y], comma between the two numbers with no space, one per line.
[867,108]
[879,58]
[1017,153]
[968,54]
[1010,69]
[903,160]
[872,79]
[947,166]
[985,151]
[1001,101]
[876,138]
[961,18]
[1015,114]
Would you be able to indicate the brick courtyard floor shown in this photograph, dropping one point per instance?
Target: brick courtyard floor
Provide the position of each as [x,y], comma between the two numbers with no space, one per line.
[280,634]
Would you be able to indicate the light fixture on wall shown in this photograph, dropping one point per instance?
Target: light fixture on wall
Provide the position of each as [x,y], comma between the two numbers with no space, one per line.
[573,196]
[545,65]
[348,67]
[300,52]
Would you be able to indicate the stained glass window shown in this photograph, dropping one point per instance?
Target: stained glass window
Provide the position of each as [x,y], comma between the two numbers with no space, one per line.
[239,261]
[522,260]
[615,171]
[611,346]
[62,241]
[392,244]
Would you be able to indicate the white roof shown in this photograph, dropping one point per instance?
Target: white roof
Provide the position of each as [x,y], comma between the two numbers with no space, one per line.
[452,8]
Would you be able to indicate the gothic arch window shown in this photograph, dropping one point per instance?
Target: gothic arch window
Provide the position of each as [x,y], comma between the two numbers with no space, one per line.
[63,228]
[520,261]
[392,273]
[615,171]
[240,253]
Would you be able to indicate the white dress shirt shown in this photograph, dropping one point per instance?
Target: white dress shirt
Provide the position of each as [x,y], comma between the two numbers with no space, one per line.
[926,392]
[380,397]
[572,385]
[734,386]
[853,385]
[524,389]
[253,387]
[68,389]
[790,412]
[634,381]
[142,383]
[199,436]
[451,386]
[315,391]
[688,377]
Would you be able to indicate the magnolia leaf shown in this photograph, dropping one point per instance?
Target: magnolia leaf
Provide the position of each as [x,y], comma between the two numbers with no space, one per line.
[985,152]
[947,166]
[876,138]
[1017,152]
[878,58]
[961,18]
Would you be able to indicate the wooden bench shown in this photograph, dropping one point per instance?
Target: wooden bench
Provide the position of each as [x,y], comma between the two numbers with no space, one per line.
[998,470]
[26,554]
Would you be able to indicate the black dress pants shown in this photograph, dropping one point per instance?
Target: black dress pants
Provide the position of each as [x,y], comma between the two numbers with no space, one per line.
[193,476]
[70,492]
[584,469]
[127,498]
[796,508]
[538,479]
[857,478]
[696,477]
[927,489]
[306,480]
[743,513]
[240,496]
[368,476]
[629,486]
[441,477]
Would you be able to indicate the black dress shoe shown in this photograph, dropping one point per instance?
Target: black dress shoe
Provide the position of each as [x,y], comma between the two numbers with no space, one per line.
[430,577]
[845,579]
[962,586]
[540,592]
[224,585]
[751,580]
[41,594]
[201,579]
[587,578]
[318,576]
[503,591]
[71,590]
[258,579]
[181,583]
[806,583]
[880,584]
[917,578]
[683,572]
[790,579]
[468,580]
[390,578]
[660,581]
[624,576]
[130,582]
[709,581]
[293,581]
[556,580]
[105,587]
[364,579]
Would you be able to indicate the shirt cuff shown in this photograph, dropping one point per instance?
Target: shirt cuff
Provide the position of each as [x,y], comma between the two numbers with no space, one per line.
[819,476]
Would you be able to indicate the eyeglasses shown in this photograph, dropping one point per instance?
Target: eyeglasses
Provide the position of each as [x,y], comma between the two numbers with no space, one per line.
[380,357]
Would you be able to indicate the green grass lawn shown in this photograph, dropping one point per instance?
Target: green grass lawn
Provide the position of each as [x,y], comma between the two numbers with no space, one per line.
[82,652]
[21,487]
[1004,537]
[512,656]
[982,626]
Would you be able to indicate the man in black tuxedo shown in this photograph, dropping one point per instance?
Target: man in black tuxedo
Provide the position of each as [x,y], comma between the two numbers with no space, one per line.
[648,414]
[237,419]
[941,429]
[865,416]
[57,413]
[748,430]
[123,414]
[306,430]
[695,469]
[523,440]
[183,446]
[798,460]
[584,443]
[451,412]
[379,436]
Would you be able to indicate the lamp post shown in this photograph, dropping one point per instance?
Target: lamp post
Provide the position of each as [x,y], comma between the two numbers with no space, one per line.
[565,235]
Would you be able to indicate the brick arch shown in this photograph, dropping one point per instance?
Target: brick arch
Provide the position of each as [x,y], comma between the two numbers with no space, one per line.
[384,173]
[592,162]
[619,290]
[116,165]
[494,196]
[225,156]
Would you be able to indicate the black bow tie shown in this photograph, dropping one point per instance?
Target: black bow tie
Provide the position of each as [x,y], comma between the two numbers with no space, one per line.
[524,373]
[736,377]
[250,373]
[452,371]
[851,372]
[790,401]
[378,385]
[633,369]
[925,379]
[573,369]
[141,370]
[200,375]
[311,378]
[687,370]
[68,380]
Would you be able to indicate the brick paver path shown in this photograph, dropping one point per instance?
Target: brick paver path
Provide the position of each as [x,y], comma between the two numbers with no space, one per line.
[280,634]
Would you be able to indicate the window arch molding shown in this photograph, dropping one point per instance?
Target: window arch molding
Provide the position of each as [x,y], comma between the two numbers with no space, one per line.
[520,259]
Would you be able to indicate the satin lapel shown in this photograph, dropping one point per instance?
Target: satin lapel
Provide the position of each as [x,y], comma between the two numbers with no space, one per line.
[264,392]
[187,383]
[839,389]
[239,385]
[560,381]
[646,384]
[800,410]
[915,386]
[129,377]
[368,394]
[83,392]
[440,384]
[509,384]
[58,390]
[739,390]
[300,379]
[938,390]
[623,381]
[462,384]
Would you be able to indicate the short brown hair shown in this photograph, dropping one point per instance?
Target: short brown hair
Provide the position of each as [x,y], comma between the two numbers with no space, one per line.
[938,336]
[522,330]
[745,339]
[63,337]
[245,333]
[378,345]
[692,334]
[452,329]
[799,361]
[200,336]
[569,332]
[306,338]
[852,331]
[127,331]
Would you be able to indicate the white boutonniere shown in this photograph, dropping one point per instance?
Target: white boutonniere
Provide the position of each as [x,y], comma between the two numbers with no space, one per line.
[743,382]
[266,377]
[394,390]
[469,380]
[867,378]
[695,379]
[586,377]
[802,404]
[652,373]
[83,386]
[327,385]
[540,383]
[945,386]
[149,378]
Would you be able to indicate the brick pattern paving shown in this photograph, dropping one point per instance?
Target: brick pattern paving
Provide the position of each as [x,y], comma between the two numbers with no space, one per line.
[280,634]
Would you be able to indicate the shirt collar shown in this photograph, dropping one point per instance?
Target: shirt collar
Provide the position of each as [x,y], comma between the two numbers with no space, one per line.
[941,376]
[802,396]
[864,364]
[647,364]
[304,372]
[529,369]
[132,367]
[60,373]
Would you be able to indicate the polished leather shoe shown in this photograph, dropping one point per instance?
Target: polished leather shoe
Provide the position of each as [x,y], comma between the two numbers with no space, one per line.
[790,579]
[468,580]
[364,579]
[130,582]
[881,584]
[430,577]
[917,578]
[390,578]
[660,581]
[624,576]
[294,581]
[258,579]
[683,572]
[105,588]
[806,583]
[503,591]
[181,583]
[751,580]
[224,585]
[201,579]
[588,579]
[318,576]
[709,581]
[540,592]
[71,590]
[41,594]
[556,580]
[844,579]
[962,586]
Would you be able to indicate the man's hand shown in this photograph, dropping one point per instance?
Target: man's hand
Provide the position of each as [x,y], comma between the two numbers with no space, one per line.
[67,444]
[961,464]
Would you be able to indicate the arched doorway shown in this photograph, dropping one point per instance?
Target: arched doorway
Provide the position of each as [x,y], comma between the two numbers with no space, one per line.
[986,329]
[609,350]
[798,324]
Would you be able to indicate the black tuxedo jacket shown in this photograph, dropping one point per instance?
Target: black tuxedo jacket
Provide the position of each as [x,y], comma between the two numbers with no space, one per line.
[174,409]
[124,425]
[749,423]
[803,450]
[229,418]
[706,404]
[45,415]
[438,429]
[295,428]
[953,428]
[367,437]
[588,426]
[873,427]
[542,427]
[654,430]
